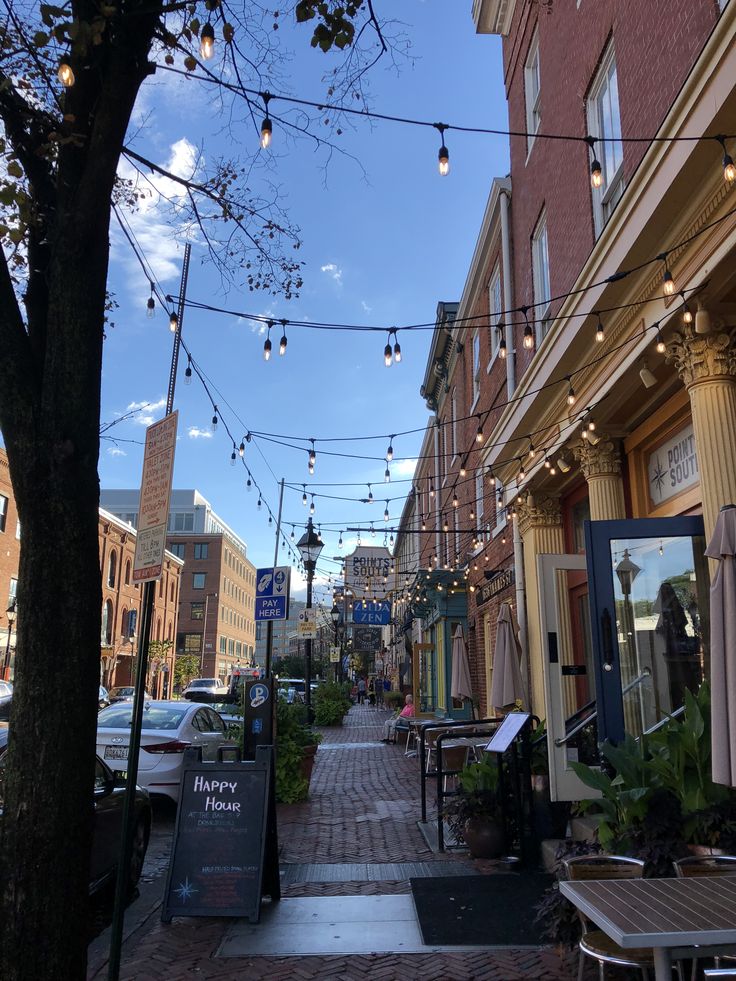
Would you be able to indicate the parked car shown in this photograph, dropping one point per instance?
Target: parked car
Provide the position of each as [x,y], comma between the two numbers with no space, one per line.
[103,698]
[124,693]
[204,686]
[6,688]
[108,803]
[169,728]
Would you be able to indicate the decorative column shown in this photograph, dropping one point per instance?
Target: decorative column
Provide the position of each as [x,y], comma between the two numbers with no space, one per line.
[706,363]
[601,466]
[540,524]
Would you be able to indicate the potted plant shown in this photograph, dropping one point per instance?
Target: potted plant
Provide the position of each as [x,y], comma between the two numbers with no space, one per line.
[474,814]
[296,746]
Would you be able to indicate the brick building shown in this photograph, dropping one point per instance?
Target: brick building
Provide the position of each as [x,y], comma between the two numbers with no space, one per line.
[217,597]
[617,400]
[9,553]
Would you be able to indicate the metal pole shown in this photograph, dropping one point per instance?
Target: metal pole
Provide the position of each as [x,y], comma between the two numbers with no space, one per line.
[149,596]
[309,565]
[6,664]
[269,625]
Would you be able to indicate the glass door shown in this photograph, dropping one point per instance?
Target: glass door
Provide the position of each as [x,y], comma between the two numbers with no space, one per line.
[649,587]
[569,675]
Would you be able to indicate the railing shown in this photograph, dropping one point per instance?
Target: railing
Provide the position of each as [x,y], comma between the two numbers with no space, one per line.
[562,740]
[489,724]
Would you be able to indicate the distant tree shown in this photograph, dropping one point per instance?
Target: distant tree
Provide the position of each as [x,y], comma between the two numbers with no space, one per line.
[186,667]
[290,666]
[70,77]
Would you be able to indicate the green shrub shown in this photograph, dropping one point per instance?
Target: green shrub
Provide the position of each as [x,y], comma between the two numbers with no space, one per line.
[330,704]
[393,699]
[292,735]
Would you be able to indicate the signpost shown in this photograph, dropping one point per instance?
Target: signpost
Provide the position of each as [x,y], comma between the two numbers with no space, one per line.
[224,856]
[153,509]
[372,613]
[272,593]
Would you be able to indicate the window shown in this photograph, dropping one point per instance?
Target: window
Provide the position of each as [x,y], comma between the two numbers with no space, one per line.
[201,550]
[540,272]
[127,573]
[199,580]
[12,592]
[223,645]
[604,123]
[182,521]
[476,366]
[495,306]
[500,509]
[112,569]
[197,611]
[479,496]
[178,548]
[192,643]
[453,406]
[532,87]
[3,511]
[107,624]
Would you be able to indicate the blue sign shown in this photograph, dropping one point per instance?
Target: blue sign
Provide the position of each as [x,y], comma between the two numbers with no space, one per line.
[258,695]
[377,613]
[272,593]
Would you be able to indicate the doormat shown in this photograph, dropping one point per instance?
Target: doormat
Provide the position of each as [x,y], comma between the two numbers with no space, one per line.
[488,910]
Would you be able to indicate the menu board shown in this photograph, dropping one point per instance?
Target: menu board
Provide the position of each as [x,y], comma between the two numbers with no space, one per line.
[222,824]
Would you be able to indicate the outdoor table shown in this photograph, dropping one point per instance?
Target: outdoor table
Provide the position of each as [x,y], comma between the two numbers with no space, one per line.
[669,915]
[415,726]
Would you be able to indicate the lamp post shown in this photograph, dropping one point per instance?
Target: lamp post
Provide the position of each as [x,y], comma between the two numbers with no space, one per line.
[309,546]
[336,616]
[10,613]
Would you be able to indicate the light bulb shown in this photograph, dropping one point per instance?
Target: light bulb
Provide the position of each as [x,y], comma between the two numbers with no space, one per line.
[431,490]
[311,468]
[150,307]
[729,171]
[282,345]
[387,475]
[591,424]
[397,351]
[596,174]
[188,374]
[502,348]
[370,495]
[241,449]
[599,332]
[479,434]
[385,514]
[463,471]
[249,485]
[213,425]
[444,161]
[547,464]
[65,74]
[304,498]
[491,478]
[339,542]
[207,42]
[311,505]
[267,349]
[387,355]
[687,314]
[528,337]
[173,322]
[390,453]
[455,502]
[661,347]
[258,505]
[571,395]
[668,283]
[233,458]
[266,133]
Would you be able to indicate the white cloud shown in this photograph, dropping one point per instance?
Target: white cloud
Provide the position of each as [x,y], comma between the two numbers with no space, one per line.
[116,451]
[195,432]
[146,415]
[333,271]
[403,468]
[366,307]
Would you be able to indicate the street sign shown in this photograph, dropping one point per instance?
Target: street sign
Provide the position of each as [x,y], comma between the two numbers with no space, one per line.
[306,626]
[272,593]
[334,655]
[153,508]
[376,613]
[368,571]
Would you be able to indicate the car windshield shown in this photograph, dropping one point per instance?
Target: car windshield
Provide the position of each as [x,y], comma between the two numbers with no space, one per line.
[122,691]
[154,716]
[203,683]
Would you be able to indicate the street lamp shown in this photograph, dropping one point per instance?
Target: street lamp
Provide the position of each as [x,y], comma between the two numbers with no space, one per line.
[336,617]
[309,546]
[10,613]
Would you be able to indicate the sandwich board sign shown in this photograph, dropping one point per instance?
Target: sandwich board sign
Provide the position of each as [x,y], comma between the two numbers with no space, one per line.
[153,507]
[272,593]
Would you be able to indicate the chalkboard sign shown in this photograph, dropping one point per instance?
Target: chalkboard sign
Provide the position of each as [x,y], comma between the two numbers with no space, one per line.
[225,830]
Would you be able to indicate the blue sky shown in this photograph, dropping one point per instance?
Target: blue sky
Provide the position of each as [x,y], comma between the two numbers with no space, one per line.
[380,247]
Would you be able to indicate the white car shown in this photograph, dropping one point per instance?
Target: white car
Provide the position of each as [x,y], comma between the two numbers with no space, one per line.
[169,728]
[204,686]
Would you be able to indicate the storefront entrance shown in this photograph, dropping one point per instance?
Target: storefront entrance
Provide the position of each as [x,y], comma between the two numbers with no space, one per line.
[620,653]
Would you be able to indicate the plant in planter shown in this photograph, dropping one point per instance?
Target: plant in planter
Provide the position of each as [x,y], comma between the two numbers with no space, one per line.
[296,745]
[331,702]
[474,814]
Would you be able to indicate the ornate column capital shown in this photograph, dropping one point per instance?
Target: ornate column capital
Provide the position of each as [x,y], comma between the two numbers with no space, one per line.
[601,460]
[700,357]
[539,512]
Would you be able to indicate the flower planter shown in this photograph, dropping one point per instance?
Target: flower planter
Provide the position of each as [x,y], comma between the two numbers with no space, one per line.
[484,837]
[307,762]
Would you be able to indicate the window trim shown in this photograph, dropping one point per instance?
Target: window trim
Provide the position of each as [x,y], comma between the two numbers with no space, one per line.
[540,234]
[606,198]
[477,370]
[494,316]
[532,109]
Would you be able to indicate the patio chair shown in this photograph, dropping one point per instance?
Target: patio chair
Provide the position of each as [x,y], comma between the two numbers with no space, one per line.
[595,943]
[430,748]
[454,758]
[707,865]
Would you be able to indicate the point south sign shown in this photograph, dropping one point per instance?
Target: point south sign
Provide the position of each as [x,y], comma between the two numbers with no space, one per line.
[368,571]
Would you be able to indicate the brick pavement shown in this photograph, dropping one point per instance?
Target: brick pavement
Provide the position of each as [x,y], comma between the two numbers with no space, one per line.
[363,807]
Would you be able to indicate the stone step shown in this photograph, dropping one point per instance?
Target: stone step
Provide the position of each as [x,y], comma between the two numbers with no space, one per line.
[583,829]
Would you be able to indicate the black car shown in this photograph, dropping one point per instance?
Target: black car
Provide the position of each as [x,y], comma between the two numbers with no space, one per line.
[108,797]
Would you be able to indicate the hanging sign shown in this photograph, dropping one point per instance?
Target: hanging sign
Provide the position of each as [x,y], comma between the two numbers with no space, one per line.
[368,572]
[673,467]
[153,508]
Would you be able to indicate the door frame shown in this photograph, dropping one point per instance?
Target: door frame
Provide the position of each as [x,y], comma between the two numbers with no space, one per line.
[598,537]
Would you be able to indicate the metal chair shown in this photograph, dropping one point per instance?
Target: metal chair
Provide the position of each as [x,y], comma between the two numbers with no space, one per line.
[595,943]
[701,866]
[454,759]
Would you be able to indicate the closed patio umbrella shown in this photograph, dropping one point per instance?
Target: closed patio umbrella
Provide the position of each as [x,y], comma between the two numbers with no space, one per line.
[460,686]
[722,547]
[506,687]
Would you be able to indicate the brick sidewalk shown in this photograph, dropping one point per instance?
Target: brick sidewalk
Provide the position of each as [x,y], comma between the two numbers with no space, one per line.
[363,807]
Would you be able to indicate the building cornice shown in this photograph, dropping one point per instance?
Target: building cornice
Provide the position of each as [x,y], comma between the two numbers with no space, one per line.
[493,16]
[490,231]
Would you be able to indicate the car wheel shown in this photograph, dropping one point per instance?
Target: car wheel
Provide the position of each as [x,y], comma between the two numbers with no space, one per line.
[138,852]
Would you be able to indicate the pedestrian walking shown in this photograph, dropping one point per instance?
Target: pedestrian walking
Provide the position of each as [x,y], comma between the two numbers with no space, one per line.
[361,690]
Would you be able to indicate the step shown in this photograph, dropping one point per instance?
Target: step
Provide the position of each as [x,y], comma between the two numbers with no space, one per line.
[583,829]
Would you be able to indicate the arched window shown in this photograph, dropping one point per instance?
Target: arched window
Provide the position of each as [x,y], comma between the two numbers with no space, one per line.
[112,569]
[168,630]
[158,629]
[124,624]
[172,592]
[107,624]
[127,573]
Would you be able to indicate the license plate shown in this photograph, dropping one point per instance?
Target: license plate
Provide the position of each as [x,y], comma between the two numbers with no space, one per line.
[116,752]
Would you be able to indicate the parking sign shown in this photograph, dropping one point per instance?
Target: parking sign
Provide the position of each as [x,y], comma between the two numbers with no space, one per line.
[272,593]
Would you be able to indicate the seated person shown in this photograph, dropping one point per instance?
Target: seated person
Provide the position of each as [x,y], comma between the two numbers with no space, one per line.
[398,721]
